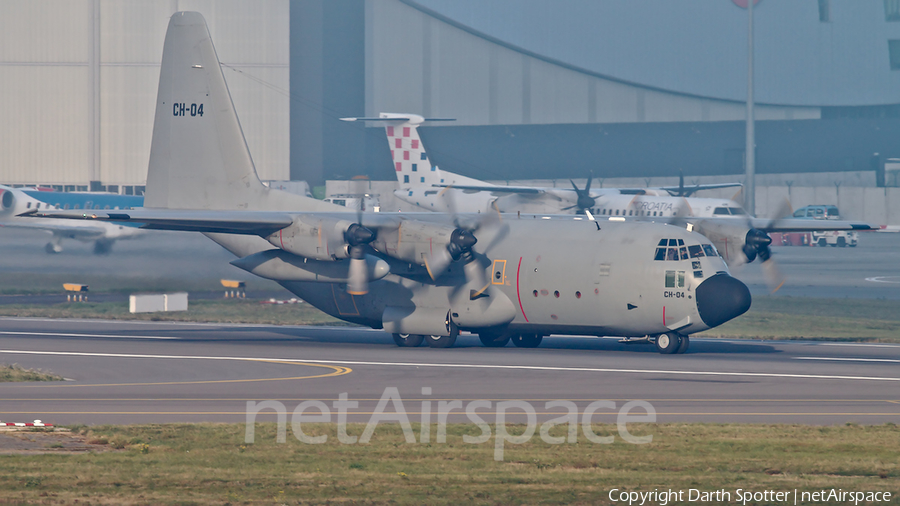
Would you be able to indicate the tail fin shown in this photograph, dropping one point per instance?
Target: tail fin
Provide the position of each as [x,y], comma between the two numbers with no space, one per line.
[411,162]
[198,157]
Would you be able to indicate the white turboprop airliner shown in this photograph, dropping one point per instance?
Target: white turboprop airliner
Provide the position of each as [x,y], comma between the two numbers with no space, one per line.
[426,186]
[14,203]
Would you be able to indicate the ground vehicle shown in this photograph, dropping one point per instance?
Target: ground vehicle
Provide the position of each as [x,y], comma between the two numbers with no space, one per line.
[832,238]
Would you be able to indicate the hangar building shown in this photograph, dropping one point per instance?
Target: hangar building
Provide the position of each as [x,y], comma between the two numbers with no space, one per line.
[545,89]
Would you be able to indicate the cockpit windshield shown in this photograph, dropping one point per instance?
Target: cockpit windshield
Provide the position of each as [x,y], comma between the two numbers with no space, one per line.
[729,211]
[675,249]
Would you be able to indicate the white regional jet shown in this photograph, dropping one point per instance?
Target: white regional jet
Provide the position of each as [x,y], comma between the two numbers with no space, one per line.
[16,203]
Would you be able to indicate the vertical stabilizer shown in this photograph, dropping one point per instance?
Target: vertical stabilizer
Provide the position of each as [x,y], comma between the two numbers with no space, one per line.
[199,157]
[411,162]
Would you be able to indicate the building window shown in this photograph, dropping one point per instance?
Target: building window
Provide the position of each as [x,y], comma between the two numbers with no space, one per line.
[825,10]
[894,51]
[892,10]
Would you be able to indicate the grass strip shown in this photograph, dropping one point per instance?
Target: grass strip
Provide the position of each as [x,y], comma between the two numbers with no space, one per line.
[858,320]
[217,311]
[15,372]
[211,464]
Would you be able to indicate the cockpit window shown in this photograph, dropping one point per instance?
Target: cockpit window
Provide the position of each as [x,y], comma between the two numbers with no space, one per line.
[737,211]
[675,250]
[721,211]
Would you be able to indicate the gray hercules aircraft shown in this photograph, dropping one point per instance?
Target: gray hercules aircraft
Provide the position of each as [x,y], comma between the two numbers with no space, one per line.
[419,276]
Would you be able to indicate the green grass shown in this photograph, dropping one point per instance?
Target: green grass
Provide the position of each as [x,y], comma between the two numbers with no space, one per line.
[820,319]
[223,310]
[211,464]
[15,372]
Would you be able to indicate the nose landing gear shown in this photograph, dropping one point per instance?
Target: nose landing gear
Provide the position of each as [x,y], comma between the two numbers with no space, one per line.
[671,343]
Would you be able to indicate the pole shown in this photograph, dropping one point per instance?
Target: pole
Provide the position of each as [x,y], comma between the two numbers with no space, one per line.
[750,148]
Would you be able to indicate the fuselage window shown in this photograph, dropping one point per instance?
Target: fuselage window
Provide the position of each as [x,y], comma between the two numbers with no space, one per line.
[66,206]
[37,206]
[28,205]
[630,212]
[77,206]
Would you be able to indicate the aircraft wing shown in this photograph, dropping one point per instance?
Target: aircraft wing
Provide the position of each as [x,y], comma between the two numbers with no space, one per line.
[800,225]
[68,227]
[697,187]
[494,189]
[230,222]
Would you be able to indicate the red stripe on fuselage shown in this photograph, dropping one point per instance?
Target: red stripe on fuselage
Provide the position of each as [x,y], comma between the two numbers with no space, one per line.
[519,268]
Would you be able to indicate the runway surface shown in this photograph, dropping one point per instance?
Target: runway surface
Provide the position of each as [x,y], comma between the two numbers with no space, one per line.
[141,372]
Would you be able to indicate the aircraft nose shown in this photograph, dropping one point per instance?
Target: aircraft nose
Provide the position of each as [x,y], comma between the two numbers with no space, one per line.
[721,298]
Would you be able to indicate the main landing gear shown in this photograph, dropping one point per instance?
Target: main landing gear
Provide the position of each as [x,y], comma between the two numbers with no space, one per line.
[671,343]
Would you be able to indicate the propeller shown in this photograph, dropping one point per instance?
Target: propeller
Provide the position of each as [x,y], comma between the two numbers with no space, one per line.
[756,244]
[358,237]
[461,246]
[584,201]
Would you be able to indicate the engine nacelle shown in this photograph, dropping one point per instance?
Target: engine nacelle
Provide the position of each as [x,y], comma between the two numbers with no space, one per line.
[283,266]
[320,238]
[7,200]
[414,241]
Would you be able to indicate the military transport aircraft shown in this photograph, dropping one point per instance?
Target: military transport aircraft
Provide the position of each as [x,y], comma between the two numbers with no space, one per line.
[419,276]
[739,238]
[15,201]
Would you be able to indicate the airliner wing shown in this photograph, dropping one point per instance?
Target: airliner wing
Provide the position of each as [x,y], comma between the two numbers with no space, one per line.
[796,225]
[494,189]
[66,227]
[230,222]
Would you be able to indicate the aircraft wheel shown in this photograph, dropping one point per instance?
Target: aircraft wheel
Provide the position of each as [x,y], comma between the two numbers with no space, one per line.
[408,340]
[441,341]
[527,340]
[493,340]
[822,242]
[668,344]
[685,343]
[841,242]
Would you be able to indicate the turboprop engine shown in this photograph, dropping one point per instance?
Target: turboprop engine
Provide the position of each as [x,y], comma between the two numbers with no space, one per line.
[325,239]
[738,243]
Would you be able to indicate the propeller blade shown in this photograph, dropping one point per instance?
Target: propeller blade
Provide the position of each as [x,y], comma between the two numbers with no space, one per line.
[358,278]
[680,183]
[476,278]
[438,262]
[774,278]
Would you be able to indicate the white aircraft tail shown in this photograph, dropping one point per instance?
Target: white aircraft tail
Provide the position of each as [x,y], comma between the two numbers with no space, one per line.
[198,156]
